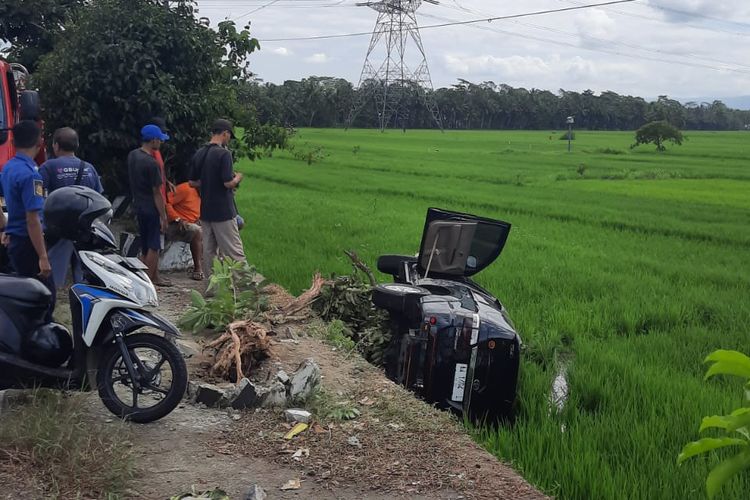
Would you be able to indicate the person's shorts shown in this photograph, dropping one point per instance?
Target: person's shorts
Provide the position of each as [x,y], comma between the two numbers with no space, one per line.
[149,226]
[185,233]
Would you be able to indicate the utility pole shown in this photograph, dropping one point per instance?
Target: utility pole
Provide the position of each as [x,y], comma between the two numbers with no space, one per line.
[570,121]
[387,77]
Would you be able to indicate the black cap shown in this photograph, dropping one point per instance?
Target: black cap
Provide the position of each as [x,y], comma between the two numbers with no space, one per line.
[222,125]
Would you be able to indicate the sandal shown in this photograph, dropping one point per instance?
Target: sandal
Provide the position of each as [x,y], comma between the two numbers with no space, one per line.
[197,275]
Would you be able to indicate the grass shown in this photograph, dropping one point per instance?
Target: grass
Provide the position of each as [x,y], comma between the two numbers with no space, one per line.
[48,445]
[634,263]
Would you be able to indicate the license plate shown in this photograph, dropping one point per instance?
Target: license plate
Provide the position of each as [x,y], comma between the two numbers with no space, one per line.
[459,382]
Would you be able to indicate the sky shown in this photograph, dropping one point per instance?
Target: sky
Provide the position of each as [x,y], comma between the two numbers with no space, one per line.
[681,48]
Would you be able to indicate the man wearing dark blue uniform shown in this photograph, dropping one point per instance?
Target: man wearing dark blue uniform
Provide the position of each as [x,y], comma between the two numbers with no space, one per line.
[23,190]
[66,169]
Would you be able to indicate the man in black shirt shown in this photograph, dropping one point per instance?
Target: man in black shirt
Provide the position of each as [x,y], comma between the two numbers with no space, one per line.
[212,173]
[145,186]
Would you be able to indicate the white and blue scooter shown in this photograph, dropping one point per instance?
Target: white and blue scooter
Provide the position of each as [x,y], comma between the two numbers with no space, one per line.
[118,346]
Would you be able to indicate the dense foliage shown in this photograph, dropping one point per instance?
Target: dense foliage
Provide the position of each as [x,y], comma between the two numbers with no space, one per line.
[31,26]
[121,62]
[658,133]
[326,102]
[346,301]
[735,427]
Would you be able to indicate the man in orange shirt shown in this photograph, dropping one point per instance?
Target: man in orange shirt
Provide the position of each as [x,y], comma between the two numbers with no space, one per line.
[183,212]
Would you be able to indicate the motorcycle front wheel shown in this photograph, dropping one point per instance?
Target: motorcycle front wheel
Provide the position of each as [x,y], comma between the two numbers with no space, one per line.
[161,375]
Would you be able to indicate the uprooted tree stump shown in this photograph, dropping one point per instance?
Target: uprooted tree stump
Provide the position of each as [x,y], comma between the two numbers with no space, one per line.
[243,345]
[246,343]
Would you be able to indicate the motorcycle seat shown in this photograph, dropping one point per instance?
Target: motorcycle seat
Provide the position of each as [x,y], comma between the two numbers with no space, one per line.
[27,290]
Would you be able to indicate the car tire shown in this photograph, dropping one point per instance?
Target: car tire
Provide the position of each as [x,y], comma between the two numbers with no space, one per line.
[398,298]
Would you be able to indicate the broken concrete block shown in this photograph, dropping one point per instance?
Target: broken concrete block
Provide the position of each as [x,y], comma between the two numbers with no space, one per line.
[209,394]
[297,415]
[246,395]
[274,396]
[282,377]
[304,382]
[192,391]
[176,257]
[256,493]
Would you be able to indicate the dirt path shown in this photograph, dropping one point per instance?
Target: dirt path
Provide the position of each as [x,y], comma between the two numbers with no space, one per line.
[406,448]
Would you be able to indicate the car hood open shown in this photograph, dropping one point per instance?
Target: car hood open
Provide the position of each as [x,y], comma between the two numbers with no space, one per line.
[456,244]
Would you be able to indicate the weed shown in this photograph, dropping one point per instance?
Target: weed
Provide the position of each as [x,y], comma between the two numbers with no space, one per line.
[236,293]
[610,151]
[309,153]
[50,441]
[327,407]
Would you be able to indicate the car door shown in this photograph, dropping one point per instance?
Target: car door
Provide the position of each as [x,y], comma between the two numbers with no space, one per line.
[456,245]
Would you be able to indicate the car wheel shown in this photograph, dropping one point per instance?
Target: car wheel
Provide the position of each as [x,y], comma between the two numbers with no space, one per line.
[398,298]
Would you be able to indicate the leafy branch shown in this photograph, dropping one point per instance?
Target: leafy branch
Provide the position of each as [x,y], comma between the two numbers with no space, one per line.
[236,293]
[736,425]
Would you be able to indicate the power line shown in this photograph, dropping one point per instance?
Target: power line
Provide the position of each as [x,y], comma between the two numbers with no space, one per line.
[695,14]
[604,51]
[255,10]
[652,19]
[729,65]
[456,23]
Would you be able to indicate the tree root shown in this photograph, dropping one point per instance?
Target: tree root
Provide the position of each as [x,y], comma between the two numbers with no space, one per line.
[245,343]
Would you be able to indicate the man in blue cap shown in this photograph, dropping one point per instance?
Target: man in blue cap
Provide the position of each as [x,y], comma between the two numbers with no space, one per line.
[146,188]
[23,190]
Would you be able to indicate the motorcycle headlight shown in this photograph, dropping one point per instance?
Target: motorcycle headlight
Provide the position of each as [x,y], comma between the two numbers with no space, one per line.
[144,294]
[132,285]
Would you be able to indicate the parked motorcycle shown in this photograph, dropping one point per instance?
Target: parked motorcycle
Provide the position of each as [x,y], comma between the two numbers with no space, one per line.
[140,375]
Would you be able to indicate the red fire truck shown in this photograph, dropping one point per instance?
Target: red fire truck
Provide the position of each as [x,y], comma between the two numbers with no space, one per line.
[16,103]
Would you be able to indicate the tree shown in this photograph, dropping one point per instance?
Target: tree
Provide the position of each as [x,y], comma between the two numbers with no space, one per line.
[657,133]
[31,26]
[121,62]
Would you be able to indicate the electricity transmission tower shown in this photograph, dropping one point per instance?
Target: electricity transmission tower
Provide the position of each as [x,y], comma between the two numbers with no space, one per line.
[389,76]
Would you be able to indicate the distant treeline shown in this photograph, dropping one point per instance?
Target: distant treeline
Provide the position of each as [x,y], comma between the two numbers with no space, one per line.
[326,102]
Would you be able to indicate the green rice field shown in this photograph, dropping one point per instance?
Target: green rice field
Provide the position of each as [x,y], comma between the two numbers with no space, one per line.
[625,266]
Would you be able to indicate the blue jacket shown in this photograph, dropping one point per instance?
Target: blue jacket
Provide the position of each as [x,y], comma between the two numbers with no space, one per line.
[23,190]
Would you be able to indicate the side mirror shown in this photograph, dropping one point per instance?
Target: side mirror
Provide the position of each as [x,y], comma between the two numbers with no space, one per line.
[31,107]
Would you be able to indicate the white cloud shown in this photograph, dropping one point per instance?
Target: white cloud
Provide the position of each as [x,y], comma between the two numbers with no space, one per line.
[519,69]
[631,48]
[282,51]
[681,10]
[595,23]
[318,58]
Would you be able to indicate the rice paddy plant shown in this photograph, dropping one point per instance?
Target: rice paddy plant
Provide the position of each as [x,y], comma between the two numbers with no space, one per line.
[632,273]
